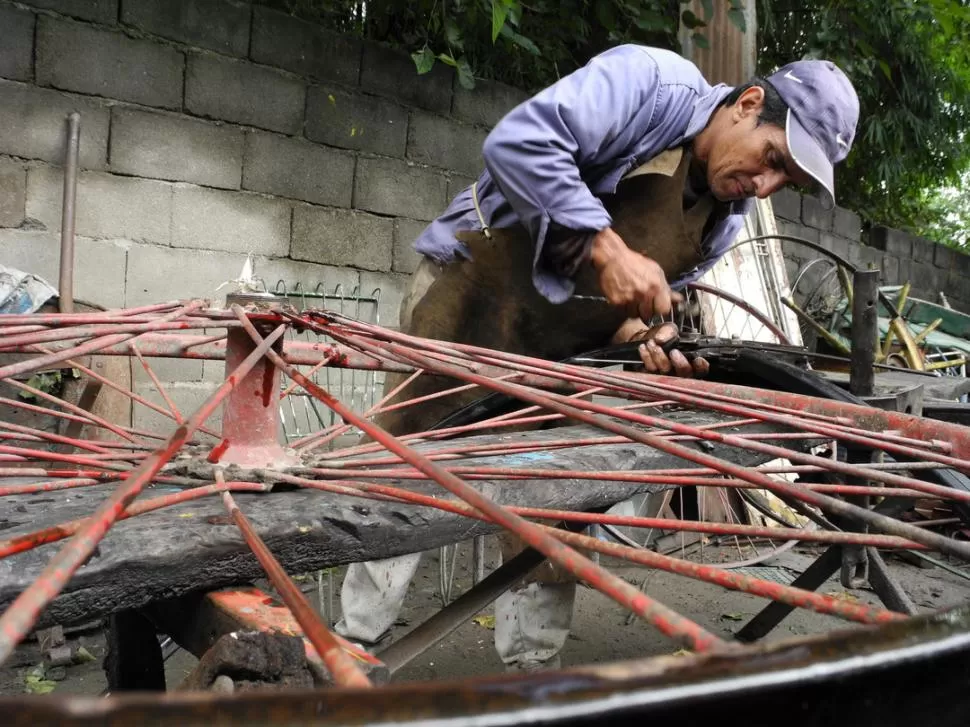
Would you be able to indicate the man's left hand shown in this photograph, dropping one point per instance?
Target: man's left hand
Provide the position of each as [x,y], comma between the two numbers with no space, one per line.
[655,359]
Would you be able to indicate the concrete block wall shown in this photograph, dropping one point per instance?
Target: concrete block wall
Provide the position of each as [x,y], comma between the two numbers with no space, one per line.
[216,128]
[901,257]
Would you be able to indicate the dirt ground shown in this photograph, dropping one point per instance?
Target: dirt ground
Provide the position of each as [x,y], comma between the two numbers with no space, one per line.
[601,629]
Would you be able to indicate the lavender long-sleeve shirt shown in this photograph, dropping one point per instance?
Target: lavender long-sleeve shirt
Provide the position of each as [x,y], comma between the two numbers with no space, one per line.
[548,159]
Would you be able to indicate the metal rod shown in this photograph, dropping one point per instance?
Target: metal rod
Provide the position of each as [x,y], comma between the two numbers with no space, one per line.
[664,619]
[356,488]
[66,275]
[447,620]
[28,541]
[586,412]
[22,614]
[341,665]
[865,332]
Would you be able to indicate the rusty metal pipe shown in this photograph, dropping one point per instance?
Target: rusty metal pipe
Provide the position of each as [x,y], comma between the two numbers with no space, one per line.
[66,275]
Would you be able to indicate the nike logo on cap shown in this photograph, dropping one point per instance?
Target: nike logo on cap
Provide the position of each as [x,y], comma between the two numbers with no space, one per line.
[840,141]
[793,77]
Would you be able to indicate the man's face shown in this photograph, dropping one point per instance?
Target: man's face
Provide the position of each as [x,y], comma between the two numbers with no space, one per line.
[750,160]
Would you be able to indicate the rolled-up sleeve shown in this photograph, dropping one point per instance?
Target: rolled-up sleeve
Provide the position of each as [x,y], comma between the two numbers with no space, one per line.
[539,152]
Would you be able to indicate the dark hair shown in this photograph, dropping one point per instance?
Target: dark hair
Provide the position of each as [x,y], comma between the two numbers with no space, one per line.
[775,110]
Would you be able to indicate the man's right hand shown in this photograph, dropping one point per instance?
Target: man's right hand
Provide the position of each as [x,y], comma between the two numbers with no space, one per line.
[630,280]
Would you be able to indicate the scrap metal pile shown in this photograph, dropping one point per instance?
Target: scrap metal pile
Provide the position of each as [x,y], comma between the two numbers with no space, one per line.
[112,533]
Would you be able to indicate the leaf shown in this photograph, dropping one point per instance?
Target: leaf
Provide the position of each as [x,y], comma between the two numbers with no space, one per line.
[487,622]
[653,22]
[500,11]
[708,6]
[465,75]
[520,40]
[83,656]
[35,683]
[423,60]
[887,71]
[700,41]
[691,21]
[737,18]
[453,34]
[447,60]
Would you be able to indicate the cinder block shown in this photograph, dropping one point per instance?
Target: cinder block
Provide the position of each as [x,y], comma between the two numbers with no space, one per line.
[219,25]
[231,221]
[797,230]
[458,183]
[814,214]
[283,274]
[485,104]
[847,223]
[787,203]
[33,124]
[162,273]
[923,250]
[100,11]
[944,257]
[896,242]
[871,259]
[406,231]
[393,187]
[391,73]
[187,396]
[958,285]
[443,143]
[890,270]
[239,91]
[962,263]
[17,46]
[905,270]
[298,169]
[393,287]
[305,48]
[355,121]
[834,244]
[927,281]
[78,57]
[342,237]
[99,265]
[107,205]
[167,370]
[13,193]
[177,148]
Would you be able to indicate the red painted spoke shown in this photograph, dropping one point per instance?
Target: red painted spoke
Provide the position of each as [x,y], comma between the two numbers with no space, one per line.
[665,620]
[585,412]
[28,541]
[735,581]
[22,614]
[341,665]
[176,414]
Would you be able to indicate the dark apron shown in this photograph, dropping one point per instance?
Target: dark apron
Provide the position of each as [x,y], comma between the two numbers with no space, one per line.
[491,301]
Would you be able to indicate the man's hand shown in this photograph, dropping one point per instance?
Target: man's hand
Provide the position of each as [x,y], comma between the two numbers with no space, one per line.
[630,280]
[655,360]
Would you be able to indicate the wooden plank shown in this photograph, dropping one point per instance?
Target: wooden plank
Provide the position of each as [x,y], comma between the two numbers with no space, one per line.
[193,546]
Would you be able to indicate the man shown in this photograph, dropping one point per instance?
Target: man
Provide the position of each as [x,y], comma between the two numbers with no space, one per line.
[628,173]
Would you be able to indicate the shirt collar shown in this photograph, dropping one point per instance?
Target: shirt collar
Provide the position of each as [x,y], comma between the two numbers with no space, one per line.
[704,108]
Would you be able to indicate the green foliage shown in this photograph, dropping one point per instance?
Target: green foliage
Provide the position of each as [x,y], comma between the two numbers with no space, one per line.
[528,45]
[910,63]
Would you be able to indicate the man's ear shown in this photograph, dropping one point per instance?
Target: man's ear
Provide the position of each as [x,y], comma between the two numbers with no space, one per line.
[749,103]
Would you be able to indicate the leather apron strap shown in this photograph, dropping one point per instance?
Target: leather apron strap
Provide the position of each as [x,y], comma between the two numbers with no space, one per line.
[491,300]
